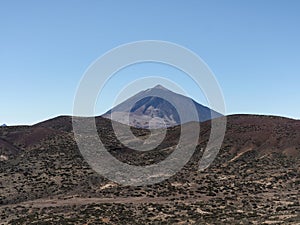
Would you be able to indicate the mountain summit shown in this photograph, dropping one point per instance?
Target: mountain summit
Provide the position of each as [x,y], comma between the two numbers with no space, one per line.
[155,108]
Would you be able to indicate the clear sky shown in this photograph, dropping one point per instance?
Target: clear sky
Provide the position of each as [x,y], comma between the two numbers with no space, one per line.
[253,48]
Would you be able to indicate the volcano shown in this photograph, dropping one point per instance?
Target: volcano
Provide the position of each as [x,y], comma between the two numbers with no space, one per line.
[155,108]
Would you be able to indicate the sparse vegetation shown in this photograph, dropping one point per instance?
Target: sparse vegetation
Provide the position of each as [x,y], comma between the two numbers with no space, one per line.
[48,182]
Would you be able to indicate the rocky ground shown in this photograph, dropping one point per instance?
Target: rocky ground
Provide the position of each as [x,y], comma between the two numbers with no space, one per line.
[254,179]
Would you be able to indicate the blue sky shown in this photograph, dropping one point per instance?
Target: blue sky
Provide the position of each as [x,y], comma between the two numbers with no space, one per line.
[253,48]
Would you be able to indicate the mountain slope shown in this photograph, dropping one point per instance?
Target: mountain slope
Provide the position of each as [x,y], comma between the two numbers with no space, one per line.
[254,179]
[158,106]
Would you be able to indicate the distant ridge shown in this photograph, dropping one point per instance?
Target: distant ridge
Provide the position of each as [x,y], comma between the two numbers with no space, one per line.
[146,106]
[4,125]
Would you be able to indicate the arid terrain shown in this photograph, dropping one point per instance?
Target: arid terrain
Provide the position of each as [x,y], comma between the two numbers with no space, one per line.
[254,179]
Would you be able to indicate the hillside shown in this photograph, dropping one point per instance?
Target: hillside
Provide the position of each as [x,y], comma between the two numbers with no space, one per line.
[254,179]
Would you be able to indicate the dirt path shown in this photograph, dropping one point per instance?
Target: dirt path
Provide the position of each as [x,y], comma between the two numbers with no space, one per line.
[57,202]
[41,203]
